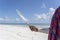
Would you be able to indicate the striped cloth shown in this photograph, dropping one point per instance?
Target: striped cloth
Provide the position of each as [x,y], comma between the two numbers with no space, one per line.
[54,30]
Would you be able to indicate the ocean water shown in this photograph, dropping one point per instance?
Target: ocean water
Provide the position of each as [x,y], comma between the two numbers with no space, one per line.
[25,25]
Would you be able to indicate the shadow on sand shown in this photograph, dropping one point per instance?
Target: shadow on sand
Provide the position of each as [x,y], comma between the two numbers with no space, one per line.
[44,30]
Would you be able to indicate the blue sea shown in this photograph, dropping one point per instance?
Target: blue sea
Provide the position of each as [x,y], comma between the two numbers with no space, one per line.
[24,24]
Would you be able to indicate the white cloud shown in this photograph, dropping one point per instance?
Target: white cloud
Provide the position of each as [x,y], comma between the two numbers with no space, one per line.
[41,16]
[1,19]
[45,17]
[51,11]
[43,5]
[7,19]
[17,19]
[38,16]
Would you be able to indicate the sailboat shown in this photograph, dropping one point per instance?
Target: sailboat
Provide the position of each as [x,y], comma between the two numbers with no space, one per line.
[32,28]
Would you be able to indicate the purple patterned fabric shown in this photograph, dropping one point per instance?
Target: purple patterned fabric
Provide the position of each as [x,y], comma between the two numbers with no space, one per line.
[54,30]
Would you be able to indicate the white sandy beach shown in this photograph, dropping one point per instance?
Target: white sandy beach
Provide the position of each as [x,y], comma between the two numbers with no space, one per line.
[12,32]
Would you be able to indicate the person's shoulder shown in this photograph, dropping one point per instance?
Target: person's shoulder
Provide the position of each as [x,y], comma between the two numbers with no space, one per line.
[57,12]
[59,7]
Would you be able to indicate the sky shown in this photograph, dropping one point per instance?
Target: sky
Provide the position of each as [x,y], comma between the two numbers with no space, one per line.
[36,11]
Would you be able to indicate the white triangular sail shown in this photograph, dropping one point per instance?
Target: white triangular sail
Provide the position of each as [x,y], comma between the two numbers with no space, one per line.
[32,28]
[19,13]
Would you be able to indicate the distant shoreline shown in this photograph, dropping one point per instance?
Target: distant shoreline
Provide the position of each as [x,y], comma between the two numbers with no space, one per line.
[23,23]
